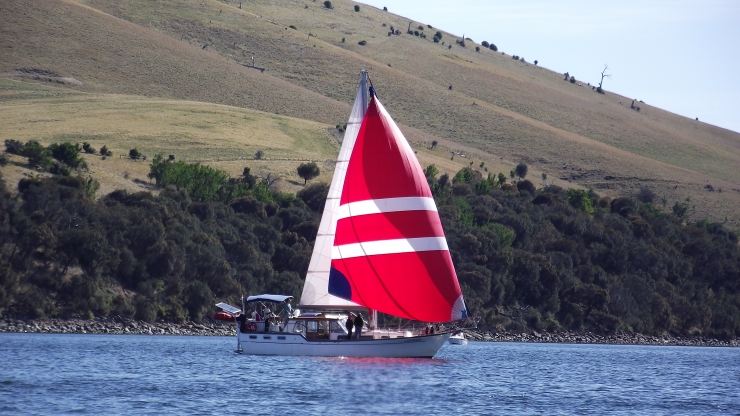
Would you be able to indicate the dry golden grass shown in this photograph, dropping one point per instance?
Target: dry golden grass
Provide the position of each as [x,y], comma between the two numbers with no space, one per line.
[499,110]
[217,135]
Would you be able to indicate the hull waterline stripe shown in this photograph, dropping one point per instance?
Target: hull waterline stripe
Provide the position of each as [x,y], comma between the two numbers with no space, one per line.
[376,248]
[377,206]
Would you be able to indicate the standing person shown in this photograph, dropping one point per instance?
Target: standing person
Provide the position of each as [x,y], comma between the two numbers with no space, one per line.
[349,325]
[358,326]
[268,314]
[288,309]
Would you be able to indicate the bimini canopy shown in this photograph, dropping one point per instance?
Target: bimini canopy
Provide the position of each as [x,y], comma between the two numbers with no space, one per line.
[268,298]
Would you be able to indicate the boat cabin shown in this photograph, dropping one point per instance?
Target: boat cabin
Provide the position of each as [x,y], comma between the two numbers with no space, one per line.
[318,326]
[313,326]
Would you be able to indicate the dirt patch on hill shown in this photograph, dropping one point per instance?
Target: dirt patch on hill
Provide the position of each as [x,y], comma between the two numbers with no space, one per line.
[45,75]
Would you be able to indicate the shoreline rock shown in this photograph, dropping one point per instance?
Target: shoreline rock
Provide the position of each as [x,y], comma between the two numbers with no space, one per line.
[132,327]
[572,337]
[114,327]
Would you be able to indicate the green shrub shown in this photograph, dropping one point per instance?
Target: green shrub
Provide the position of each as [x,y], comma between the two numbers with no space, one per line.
[493,47]
[105,152]
[328,5]
[477,48]
[357,8]
[292,27]
[60,169]
[431,171]
[87,148]
[578,198]
[484,44]
[38,155]
[572,80]
[68,154]
[14,146]
[362,43]
[134,153]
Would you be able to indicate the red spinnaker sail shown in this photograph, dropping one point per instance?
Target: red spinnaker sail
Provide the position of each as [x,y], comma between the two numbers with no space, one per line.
[390,253]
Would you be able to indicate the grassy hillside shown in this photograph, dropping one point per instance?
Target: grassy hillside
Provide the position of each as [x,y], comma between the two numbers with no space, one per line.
[484,104]
[220,136]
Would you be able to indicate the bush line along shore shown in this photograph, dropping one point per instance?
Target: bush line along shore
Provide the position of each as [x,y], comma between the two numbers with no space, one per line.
[132,327]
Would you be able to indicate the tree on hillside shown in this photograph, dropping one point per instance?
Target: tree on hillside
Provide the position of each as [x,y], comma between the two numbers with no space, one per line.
[87,148]
[38,155]
[521,170]
[308,171]
[134,153]
[434,144]
[603,75]
[431,171]
[67,153]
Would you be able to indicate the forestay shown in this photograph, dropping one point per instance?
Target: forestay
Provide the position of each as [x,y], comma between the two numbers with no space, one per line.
[315,289]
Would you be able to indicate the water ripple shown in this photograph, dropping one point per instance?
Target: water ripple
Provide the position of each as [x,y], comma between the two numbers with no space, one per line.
[114,374]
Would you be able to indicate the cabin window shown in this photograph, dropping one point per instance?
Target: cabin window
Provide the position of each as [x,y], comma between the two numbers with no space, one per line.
[266,337]
[312,326]
[281,338]
[253,337]
[299,327]
[336,328]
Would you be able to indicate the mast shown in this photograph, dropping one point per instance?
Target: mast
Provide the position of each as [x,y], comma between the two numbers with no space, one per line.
[316,287]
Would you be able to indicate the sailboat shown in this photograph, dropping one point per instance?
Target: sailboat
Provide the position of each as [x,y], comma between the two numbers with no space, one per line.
[380,247]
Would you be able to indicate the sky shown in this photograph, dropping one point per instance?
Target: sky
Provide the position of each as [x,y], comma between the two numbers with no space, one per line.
[679,55]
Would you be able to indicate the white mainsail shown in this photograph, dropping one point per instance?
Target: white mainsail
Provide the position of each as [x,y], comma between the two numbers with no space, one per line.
[316,288]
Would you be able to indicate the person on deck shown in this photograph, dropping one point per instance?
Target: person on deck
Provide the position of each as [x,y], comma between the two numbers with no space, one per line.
[358,326]
[349,325]
[242,319]
[268,314]
[288,309]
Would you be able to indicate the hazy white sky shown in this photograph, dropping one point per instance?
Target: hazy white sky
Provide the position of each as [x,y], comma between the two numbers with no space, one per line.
[680,55]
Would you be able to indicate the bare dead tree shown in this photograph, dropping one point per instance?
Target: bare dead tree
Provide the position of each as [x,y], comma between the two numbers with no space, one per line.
[604,75]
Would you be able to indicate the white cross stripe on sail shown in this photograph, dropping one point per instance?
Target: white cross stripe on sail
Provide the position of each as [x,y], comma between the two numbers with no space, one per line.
[377,206]
[375,248]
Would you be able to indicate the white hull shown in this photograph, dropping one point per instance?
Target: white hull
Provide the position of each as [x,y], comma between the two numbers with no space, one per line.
[458,339]
[282,343]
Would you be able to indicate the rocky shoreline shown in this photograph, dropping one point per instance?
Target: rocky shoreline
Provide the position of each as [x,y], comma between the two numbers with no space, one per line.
[110,326]
[571,337]
[131,327]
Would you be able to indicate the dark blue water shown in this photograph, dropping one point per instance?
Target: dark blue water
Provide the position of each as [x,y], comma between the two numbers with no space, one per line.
[116,374]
